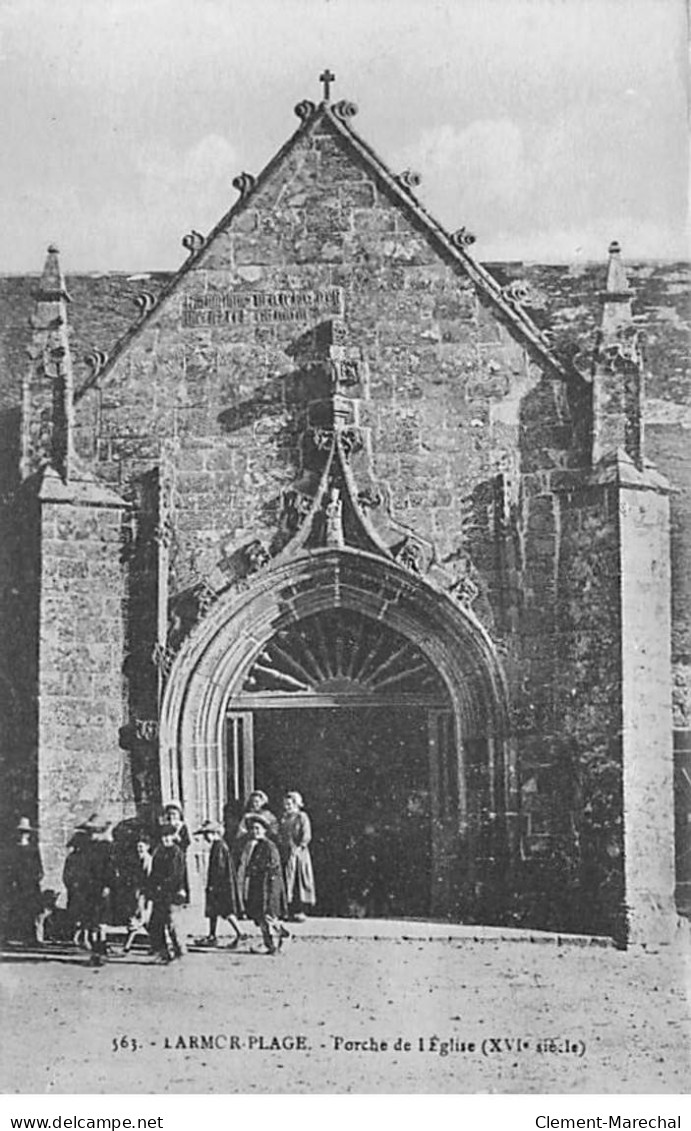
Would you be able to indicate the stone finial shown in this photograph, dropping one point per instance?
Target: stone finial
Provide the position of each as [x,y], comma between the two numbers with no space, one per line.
[517,292]
[351,441]
[462,238]
[97,361]
[616,286]
[326,78]
[256,556]
[465,591]
[305,109]
[193,241]
[52,284]
[344,110]
[144,302]
[370,498]
[616,297]
[244,183]
[617,370]
[48,390]
[409,180]
[410,555]
[296,505]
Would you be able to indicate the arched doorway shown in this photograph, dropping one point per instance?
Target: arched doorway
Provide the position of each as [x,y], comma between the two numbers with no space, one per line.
[354,715]
[382,701]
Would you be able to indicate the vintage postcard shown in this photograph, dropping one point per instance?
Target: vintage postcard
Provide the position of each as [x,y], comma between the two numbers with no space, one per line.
[344,672]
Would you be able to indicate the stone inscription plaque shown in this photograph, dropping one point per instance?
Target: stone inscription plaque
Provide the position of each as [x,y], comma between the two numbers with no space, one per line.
[223,308]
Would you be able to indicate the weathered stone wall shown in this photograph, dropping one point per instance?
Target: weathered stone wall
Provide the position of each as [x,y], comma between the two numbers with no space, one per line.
[472,445]
[567,707]
[80,687]
[228,386]
[647,714]
[20,559]
[237,400]
[203,423]
[588,708]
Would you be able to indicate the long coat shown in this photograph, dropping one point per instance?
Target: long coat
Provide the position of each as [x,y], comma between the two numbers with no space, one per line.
[183,842]
[261,881]
[25,875]
[222,892]
[75,878]
[167,878]
[294,836]
[98,878]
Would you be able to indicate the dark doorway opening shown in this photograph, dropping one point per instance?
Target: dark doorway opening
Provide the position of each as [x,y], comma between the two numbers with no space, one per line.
[364,773]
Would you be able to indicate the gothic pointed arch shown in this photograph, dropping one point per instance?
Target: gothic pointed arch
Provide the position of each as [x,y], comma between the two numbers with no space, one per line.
[268,638]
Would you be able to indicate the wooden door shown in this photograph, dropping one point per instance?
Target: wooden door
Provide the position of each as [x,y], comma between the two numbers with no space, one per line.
[239,757]
[444,788]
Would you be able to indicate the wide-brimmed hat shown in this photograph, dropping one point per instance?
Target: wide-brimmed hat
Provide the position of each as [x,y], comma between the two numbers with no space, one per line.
[257,819]
[94,824]
[24,826]
[173,805]
[260,794]
[209,827]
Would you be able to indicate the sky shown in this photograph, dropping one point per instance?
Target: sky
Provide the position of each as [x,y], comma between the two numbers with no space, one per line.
[546,127]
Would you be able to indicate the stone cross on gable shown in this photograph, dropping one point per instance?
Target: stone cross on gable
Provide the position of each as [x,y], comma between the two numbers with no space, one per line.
[327,77]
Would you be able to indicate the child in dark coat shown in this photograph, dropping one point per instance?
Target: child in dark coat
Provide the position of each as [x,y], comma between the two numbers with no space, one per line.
[168,892]
[222,894]
[24,885]
[74,879]
[98,880]
[174,816]
[260,877]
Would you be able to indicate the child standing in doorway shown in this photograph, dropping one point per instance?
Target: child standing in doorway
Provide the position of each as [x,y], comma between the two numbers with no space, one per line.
[261,883]
[167,895]
[222,893]
[294,836]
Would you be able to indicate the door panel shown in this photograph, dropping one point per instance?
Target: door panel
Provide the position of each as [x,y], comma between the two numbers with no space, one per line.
[239,772]
[444,779]
[364,777]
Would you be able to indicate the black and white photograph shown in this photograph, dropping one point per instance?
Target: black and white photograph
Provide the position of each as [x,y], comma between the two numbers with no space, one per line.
[345,548]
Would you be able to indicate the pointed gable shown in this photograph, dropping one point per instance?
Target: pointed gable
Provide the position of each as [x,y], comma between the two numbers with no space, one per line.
[323,172]
[221,371]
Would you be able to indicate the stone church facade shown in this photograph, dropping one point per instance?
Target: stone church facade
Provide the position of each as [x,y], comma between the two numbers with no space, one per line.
[335,514]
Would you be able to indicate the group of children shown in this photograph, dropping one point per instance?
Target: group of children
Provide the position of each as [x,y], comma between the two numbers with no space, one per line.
[264,874]
[267,878]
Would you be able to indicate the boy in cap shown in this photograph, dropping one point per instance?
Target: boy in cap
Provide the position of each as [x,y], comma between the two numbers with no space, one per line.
[222,894]
[98,880]
[168,892]
[174,816]
[261,883]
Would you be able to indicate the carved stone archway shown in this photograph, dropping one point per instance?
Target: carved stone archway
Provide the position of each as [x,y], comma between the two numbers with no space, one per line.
[208,678]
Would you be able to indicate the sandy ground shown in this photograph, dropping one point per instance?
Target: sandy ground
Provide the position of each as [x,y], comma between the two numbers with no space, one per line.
[619,1020]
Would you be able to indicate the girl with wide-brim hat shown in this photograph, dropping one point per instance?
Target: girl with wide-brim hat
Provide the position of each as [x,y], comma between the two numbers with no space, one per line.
[257,802]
